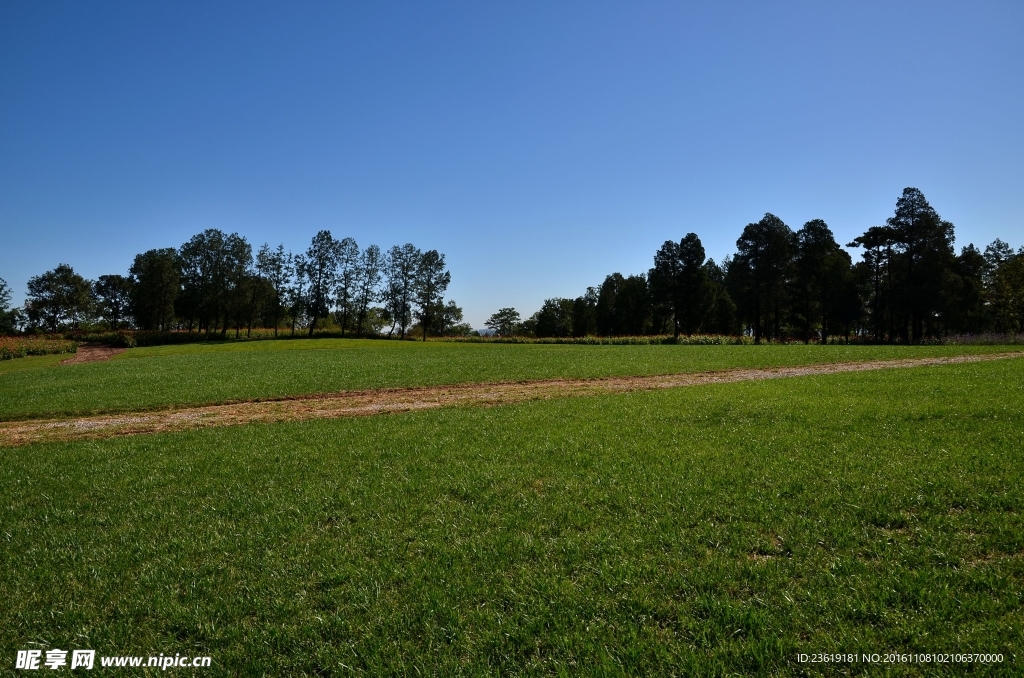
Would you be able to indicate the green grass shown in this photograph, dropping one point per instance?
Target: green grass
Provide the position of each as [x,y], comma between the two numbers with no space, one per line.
[31,363]
[197,374]
[712,530]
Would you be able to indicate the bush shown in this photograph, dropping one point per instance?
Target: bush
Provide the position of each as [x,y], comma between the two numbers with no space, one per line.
[120,339]
[20,347]
[692,340]
[133,338]
[985,339]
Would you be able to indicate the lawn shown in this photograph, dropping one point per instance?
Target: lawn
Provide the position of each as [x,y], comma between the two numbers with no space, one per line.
[711,530]
[199,374]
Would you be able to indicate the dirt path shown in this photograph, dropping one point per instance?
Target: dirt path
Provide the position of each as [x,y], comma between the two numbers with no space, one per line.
[90,354]
[365,403]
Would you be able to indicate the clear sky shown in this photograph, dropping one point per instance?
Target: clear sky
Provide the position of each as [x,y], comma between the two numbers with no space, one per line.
[540,146]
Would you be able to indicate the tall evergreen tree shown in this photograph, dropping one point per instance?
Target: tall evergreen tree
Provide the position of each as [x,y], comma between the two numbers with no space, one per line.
[156,282]
[821,272]
[924,243]
[963,291]
[877,266]
[606,317]
[504,322]
[694,288]
[721,318]
[664,281]
[584,313]
[759,273]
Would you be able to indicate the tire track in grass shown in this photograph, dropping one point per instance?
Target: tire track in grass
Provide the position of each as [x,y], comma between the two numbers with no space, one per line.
[384,401]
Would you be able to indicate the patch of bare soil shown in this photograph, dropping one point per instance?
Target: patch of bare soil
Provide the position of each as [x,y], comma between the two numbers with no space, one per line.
[366,403]
[89,353]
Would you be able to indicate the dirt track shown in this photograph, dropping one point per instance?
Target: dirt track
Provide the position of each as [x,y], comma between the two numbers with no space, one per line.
[91,354]
[365,403]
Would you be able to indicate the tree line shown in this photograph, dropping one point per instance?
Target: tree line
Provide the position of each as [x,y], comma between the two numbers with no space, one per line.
[910,285]
[214,284]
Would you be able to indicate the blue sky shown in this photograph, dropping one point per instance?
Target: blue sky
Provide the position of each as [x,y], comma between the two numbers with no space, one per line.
[540,146]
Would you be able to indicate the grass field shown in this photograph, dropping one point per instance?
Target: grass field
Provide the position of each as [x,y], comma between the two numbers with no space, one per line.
[197,374]
[711,530]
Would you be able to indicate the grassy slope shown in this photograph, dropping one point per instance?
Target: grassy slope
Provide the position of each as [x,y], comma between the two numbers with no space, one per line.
[30,363]
[204,374]
[697,531]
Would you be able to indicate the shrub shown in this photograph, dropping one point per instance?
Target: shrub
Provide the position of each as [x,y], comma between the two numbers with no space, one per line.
[692,340]
[19,347]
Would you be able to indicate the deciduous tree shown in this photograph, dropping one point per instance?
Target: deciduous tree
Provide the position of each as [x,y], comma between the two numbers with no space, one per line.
[59,297]
[274,267]
[400,271]
[113,298]
[320,268]
[431,282]
[371,268]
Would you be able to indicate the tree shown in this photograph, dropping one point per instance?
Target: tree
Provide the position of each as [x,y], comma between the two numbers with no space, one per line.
[664,280]
[995,254]
[201,260]
[693,289]
[156,279]
[606,318]
[371,268]
[554,319]
[274,267]
[1006,293]
[876,272]
[377,317]
[400,270]
[963,293]
[431,282]
[721,317]
[9,317]
[584,314]
[215,272]
[821,270]
[320,268]
[504,322]
[759,273]
[241,293]
[446,320]
[349,273]
[59,297]
[296,291]
[633,306]
[113,298]
[679,284]
[924,243]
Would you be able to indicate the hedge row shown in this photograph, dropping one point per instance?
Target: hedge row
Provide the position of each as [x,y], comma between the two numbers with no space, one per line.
[692,340]
[133,338]
[19,347]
